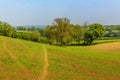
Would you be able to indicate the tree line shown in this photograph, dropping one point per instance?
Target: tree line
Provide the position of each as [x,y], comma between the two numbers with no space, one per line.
[7,30]
[112,31]
[61,32]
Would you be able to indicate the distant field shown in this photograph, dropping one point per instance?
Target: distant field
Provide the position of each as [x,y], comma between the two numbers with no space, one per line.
[106,41]
[26,60]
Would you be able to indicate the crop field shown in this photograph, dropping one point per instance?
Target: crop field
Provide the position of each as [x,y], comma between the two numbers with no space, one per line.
[26,60]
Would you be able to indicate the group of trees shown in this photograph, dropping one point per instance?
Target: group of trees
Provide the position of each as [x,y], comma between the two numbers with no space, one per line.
[62,32]
[59,32]
[27,35]
[7,30]
[23,28]
[112,31]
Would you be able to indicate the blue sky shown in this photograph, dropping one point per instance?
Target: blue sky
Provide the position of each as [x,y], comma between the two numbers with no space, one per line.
[38,12]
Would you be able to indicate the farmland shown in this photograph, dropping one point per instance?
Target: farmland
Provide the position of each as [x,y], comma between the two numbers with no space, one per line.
[26,60]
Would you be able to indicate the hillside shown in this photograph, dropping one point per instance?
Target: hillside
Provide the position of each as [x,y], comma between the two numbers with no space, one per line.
[26,60]
[29,26]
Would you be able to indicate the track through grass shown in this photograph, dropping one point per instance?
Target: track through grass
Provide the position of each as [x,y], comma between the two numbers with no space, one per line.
[20,59]
[26,60]
[45,67]
[24,69]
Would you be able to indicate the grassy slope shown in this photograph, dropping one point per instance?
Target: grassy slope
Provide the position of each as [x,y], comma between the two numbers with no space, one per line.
[65,63]
[27,62]
[85,62]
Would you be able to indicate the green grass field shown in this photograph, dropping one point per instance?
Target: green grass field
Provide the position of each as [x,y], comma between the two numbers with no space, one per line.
[26,60]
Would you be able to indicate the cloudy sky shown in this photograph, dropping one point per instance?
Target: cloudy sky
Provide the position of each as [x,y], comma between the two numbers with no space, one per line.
[43,12]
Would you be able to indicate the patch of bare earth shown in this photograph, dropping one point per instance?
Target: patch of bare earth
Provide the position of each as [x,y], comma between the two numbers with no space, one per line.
[1,67]
[45,67]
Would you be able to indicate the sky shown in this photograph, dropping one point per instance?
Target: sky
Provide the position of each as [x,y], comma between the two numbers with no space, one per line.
[43,12]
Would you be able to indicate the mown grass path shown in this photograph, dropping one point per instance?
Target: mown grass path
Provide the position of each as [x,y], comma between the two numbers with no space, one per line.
[26,71]
[45,67]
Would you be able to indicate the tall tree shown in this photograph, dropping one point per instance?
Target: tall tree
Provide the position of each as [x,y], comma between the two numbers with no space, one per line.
[63,30]
[59,31]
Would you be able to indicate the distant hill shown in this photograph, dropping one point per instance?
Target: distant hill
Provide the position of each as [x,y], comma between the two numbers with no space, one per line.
[40,26]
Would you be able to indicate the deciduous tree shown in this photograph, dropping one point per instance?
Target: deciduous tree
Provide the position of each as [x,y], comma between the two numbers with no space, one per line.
[94,32]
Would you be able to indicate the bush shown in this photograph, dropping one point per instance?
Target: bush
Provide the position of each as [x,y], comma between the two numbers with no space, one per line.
[43,40]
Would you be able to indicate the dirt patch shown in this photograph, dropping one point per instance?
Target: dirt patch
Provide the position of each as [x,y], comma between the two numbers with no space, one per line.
[1,67]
